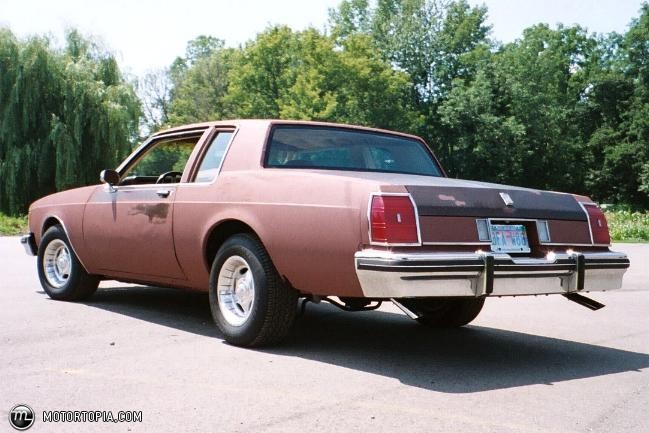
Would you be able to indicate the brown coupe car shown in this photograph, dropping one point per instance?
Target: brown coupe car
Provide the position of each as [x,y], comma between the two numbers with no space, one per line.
[261,213]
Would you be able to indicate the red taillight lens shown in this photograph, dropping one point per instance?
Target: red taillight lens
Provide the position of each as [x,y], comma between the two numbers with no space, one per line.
[598,224]
[393,220]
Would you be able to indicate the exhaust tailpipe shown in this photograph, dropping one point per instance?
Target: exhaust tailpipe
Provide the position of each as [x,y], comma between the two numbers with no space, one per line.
[582,300]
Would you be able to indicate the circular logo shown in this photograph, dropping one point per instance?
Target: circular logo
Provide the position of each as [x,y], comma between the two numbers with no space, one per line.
[21,417]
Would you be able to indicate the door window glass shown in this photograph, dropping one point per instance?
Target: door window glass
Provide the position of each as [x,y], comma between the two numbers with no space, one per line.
[167,156]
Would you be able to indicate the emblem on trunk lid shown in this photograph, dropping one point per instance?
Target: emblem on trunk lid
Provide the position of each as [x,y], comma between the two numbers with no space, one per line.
[507,199]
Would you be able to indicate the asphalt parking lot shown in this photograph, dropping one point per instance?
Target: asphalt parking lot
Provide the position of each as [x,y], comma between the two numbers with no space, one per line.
[525,365]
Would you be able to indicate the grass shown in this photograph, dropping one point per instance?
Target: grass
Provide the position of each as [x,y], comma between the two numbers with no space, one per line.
[11,226]
[628,226]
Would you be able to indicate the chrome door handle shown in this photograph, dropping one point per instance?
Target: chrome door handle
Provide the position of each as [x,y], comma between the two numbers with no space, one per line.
[163,192]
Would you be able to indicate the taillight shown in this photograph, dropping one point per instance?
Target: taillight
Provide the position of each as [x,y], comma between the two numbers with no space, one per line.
[393,220]
[598,224]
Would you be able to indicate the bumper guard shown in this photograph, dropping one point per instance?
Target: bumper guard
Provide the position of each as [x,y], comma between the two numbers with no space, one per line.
[29,243]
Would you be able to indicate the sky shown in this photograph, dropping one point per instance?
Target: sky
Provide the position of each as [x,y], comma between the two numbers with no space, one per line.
[147,35]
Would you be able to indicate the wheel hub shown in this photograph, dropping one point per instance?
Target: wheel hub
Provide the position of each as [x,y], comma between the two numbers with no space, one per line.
[57,263]
[236,290]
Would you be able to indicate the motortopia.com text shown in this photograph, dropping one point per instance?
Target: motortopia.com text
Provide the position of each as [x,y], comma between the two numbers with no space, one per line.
[91,416]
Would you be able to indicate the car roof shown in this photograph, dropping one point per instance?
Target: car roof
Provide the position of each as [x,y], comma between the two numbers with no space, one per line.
[266,123]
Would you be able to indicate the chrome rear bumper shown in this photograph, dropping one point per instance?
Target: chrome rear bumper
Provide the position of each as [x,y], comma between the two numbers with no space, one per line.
[383,274]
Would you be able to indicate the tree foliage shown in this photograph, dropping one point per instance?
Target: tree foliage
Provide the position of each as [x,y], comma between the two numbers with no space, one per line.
[64,115]
[559,108]
[296,75]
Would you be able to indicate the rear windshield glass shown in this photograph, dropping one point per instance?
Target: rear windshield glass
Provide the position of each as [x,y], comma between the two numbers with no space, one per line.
[345,149]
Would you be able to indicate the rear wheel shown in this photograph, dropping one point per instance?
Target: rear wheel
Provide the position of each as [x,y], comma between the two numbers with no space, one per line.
[446,313]
[250,303]
[61,274]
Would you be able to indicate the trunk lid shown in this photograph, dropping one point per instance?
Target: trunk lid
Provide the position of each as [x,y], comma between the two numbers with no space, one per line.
[494,201]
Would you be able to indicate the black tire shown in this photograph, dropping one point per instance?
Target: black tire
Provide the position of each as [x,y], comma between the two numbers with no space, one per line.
[77,284]
[447,313]
[273,308]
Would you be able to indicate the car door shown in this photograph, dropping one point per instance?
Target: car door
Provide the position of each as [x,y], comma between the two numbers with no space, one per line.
[129,226]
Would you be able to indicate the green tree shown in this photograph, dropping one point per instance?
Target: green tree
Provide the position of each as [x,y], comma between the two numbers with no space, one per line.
[435,42]
[633,155]
[262,73]
[613,122]
[487,144]
[558,108]
[543,78]
[199,92]
[298,75]
[64,115]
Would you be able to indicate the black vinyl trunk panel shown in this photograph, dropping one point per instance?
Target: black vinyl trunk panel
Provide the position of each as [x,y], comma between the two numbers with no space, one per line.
[487,202]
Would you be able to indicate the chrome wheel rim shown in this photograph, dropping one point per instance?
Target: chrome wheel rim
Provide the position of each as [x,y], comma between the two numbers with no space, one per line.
[236,290]
[57,263]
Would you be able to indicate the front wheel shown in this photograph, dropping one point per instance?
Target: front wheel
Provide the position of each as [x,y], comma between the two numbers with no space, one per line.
[446,313]
[250,303]
[61,274]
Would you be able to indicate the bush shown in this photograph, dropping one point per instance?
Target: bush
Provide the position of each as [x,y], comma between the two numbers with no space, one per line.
[10,226]
[626,225]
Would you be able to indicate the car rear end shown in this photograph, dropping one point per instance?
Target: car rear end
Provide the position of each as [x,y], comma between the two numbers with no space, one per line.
[424,235]
[449,238]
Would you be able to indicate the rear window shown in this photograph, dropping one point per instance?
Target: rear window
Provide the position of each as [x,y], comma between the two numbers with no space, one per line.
[330,148]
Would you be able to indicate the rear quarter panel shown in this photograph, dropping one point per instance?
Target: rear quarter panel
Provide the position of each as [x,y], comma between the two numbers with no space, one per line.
[310,224]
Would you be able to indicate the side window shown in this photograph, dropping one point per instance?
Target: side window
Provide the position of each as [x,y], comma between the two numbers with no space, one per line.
[211,163]
[167,156]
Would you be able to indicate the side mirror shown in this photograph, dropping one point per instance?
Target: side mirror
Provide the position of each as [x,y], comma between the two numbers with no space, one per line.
[111,177]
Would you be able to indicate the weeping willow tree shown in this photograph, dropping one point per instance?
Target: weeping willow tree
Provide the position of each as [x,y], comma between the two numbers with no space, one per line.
[64,115]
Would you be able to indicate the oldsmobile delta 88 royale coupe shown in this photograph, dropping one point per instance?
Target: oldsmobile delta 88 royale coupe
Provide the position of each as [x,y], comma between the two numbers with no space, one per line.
[261,213]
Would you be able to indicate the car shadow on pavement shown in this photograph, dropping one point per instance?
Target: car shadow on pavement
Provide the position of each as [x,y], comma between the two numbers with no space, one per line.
[179,309]
[466,360]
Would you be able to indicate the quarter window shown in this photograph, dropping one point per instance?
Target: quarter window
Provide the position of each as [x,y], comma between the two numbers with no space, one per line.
[211,163]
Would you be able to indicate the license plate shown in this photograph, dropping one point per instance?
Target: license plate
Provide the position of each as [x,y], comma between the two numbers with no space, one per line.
[509,238]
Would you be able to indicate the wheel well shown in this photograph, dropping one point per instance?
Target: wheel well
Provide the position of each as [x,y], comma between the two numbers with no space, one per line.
[220,234]
[50,222]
